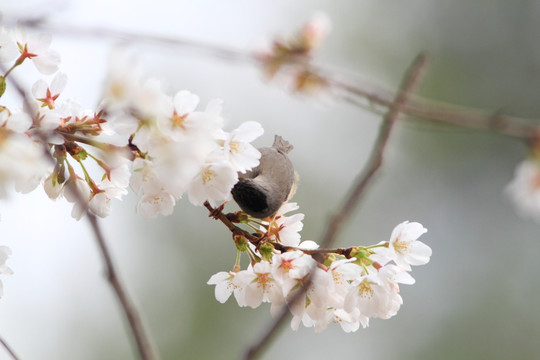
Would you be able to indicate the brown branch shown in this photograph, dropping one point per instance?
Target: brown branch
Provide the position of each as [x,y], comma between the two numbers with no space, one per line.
[418,107]
[375,160]
[218,215]
[142,341]
[409,82]
[8,349]
[445,113]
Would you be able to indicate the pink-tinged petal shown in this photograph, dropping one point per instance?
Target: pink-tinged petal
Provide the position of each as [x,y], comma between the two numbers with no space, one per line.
[253,296]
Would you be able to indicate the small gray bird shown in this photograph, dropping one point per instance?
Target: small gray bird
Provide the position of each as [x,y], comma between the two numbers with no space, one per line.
[261,191]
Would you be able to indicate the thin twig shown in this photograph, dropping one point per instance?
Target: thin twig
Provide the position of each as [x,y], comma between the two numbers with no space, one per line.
[142,341]
[437,111]
[8,349]
[409,82]
[218,215]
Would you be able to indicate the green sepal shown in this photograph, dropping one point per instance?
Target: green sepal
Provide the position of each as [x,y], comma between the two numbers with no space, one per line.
[2,85]
[241,243]
[266,251]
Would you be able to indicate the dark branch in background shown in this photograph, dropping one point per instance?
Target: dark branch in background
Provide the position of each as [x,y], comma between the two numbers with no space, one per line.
[354,92]
[375,160]
[141,338]
[8,349]
[409,82]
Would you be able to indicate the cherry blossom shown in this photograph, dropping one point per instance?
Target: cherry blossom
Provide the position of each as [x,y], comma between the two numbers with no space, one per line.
[524,189]
[404,248]
[257,285]
[237,149]
[285,229]
[8,46]
[47,94]
[5,252]
[36,47]
[213,184]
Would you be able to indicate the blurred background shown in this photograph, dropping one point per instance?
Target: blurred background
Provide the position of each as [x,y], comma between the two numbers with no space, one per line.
[477,298]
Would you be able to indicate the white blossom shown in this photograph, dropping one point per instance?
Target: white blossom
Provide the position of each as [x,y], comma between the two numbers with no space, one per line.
[213,184]
[524,189]
[316,30]
[37,48]
[257,285]
[225,286]
[99,203]
[5,252]
[8,46]
[22,162]
[404,248]
[122,81]
[77,191]
[52,187]
[47,94]
[152,204]
[237,149]
[290,268]
[285,229]
[18,122]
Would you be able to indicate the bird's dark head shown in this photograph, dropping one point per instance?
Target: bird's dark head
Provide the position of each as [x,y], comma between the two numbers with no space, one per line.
[251,198]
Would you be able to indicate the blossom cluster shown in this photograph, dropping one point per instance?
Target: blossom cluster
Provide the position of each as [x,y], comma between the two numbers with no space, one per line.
[347,287]
[159,145]
[139,137]
[178,148]
[291,58]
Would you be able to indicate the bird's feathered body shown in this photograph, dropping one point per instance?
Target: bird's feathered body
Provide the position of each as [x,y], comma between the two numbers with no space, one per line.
[261,191]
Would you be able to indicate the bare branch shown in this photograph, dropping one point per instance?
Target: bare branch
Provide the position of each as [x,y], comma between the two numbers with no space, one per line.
[409,82]
[8,349]
[375,160]
[142,341]
[354,90]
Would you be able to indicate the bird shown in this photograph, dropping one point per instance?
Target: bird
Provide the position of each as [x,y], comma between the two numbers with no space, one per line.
[261,191]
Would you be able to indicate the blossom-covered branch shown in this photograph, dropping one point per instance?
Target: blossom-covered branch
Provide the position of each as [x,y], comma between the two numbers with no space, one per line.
[135,323]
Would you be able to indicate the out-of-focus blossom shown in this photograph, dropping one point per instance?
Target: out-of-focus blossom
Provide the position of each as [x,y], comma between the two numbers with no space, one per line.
[524,189]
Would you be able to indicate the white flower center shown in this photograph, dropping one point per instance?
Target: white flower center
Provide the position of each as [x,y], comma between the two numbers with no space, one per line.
[365,291]
[235,147]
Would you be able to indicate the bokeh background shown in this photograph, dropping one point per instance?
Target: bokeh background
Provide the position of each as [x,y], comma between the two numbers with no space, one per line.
[477,298]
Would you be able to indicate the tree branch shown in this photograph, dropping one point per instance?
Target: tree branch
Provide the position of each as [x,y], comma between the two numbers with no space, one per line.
[8,349]
[423,108]
[142,339]
[409,82]
[375,160]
